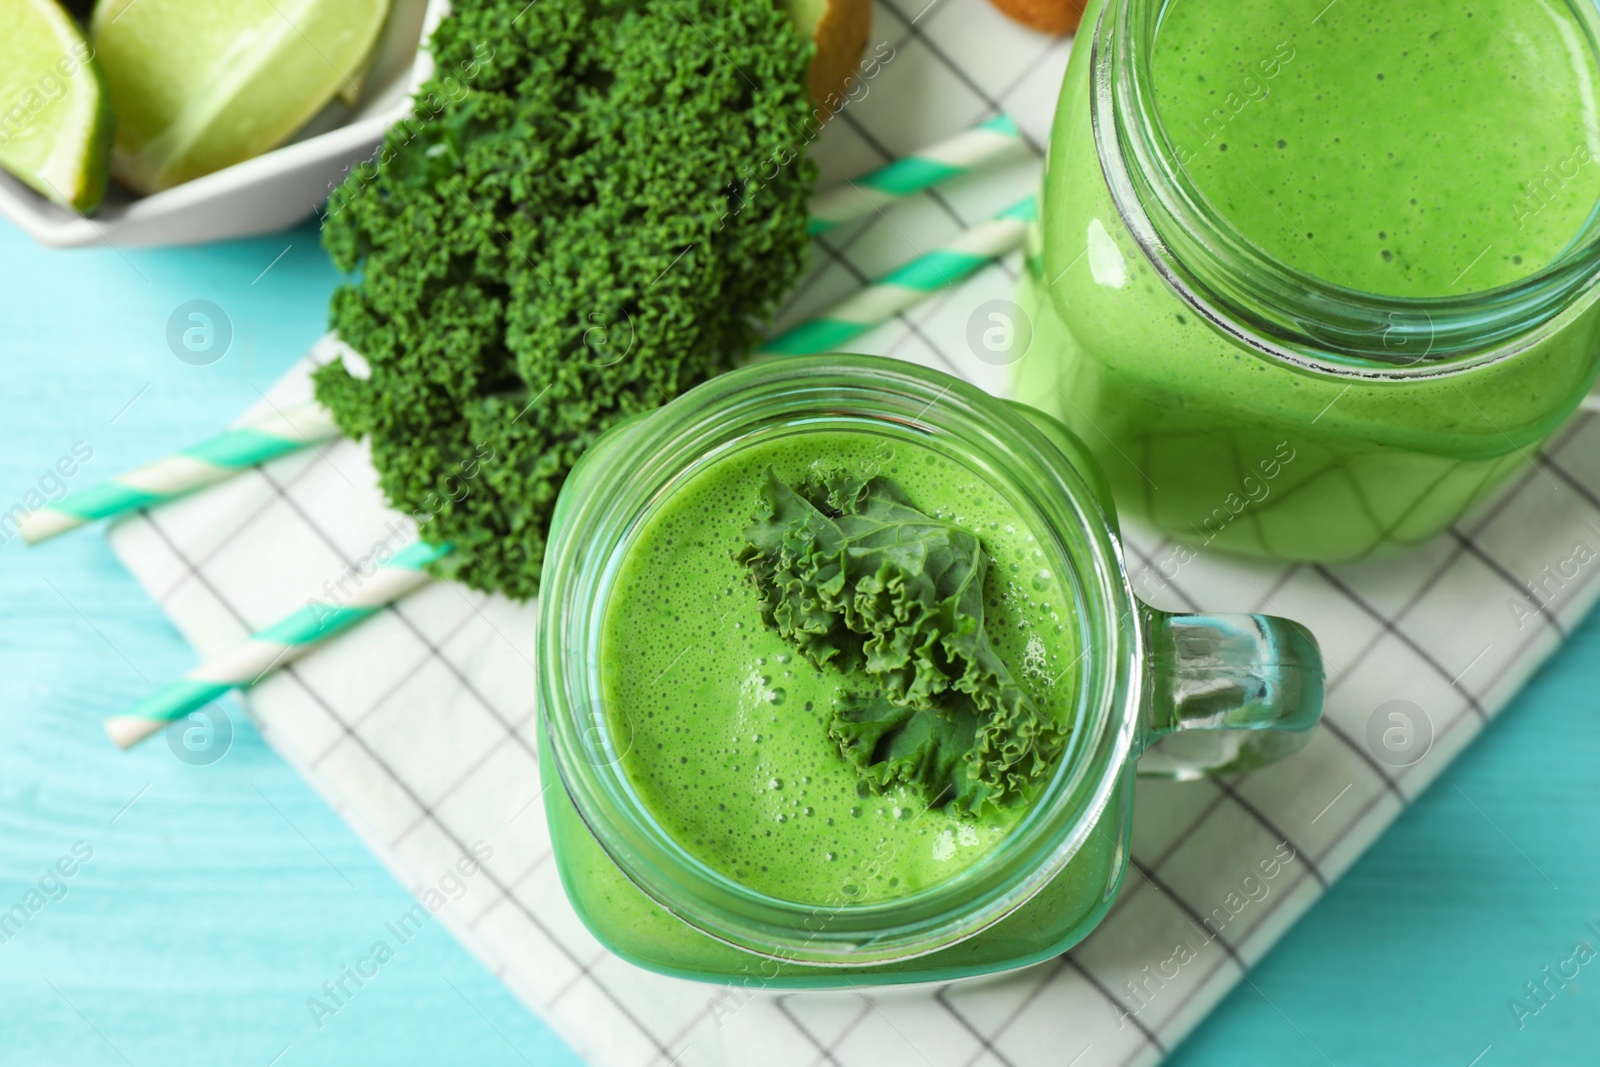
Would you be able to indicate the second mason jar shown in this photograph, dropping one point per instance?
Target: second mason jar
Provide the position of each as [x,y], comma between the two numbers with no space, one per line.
[1312,285]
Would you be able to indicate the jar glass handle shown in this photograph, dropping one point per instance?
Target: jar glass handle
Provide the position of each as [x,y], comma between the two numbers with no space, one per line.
[1228,692]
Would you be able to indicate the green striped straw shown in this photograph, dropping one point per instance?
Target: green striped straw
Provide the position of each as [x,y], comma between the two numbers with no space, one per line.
[194,468]
[281,643]
[965,152]
[909,285]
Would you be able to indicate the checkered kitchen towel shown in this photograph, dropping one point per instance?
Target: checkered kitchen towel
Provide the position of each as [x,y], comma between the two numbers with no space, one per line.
[418,726]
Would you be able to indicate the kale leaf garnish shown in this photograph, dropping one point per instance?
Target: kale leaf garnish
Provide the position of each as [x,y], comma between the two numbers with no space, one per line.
[855,577]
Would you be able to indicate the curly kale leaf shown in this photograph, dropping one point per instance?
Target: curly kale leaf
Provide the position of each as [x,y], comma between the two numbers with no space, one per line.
[854,576]
[592,209]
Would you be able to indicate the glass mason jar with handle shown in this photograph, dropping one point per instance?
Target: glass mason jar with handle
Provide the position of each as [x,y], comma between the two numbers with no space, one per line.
[1314,279]
[1174,695]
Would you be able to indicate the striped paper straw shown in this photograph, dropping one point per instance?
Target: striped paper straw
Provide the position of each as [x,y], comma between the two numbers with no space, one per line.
[977,147]
[279,644]
[194,468]
[908,285]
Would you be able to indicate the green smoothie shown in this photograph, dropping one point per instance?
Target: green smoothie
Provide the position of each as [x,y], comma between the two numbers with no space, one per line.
[1412,150]
[1425,148]
[726,723]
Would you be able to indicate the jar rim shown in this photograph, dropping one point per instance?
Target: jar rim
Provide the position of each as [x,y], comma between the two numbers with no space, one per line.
[1279,311]
[615,496]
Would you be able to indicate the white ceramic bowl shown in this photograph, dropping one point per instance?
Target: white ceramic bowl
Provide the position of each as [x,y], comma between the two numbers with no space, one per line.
[269,192]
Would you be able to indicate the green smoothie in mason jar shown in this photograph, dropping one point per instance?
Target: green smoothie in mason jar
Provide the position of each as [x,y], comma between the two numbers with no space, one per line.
[842,682]
[1315,278]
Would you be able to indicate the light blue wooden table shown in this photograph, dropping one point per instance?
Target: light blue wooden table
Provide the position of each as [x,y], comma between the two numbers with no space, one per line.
[218,899]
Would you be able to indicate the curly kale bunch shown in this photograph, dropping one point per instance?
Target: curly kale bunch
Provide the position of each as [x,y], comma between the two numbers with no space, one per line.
[853,575]
[593,208]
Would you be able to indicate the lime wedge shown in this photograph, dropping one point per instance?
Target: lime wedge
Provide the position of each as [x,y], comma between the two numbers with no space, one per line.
[201,85]
[55,124]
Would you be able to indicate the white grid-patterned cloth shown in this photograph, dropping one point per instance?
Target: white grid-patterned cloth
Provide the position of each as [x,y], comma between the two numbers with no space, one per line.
[418,726]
